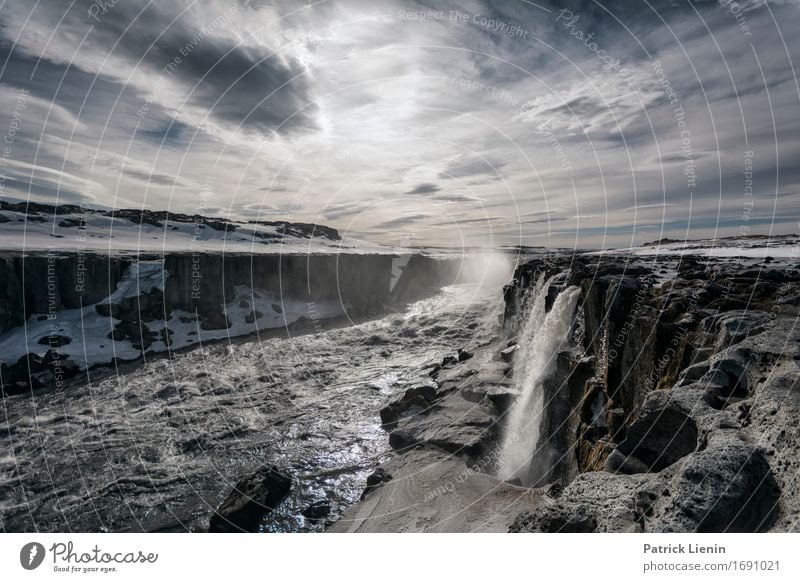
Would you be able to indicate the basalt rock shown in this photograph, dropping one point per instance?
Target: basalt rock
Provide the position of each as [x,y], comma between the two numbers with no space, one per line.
[414,401]
[377,478]
[662,434]
[559,518]
[674,407]
[728,487]
[141,303]
[676,426]
[251,499]
[318,510]
[33,372]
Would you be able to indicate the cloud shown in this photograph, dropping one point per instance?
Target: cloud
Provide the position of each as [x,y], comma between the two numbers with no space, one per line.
[403,221]
[181,57]
[325,112]
[597,106]
[424,188]
[456,198]
[468,166]
[344,210]
[40,189]
[152,178]
[168,133]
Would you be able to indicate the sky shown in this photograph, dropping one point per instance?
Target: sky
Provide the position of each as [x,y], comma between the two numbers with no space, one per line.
[583,123]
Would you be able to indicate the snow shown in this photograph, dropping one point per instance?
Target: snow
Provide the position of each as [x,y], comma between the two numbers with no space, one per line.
[186,328]
[140,278]
[751,248]
[87,329]
[101,233]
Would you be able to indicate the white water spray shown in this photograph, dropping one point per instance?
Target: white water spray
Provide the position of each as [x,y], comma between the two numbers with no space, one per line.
[541,337]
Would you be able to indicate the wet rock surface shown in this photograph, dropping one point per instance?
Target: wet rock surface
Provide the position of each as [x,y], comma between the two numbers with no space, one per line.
[660,436]
[432,491]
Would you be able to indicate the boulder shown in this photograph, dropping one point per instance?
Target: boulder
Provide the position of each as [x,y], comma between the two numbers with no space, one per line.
[500,395]
[449,361]
[33,371]
[464,355]
[558,518]
[453,425]
[732,327]
[507,354]
[252,316]
[215,320]
[663,434]
[317,510]
[55,341]
[728,487]
[251,499]
[377,478]
[414,401]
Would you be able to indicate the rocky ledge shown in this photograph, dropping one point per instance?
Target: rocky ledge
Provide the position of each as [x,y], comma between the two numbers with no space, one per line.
[673,407]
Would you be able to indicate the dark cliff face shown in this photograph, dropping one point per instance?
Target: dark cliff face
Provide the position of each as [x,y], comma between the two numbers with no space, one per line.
[674,356]
[417,276]
[38,283]
[147,310]
[641,330]
[207,280]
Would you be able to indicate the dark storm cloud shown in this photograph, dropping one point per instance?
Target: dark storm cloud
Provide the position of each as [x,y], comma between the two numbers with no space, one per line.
[455,198]
[236,83]
[344,209]
[69,87]
[41,189]
[151,178]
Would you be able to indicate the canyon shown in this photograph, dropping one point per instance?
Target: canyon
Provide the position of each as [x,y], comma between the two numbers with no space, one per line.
[639,390]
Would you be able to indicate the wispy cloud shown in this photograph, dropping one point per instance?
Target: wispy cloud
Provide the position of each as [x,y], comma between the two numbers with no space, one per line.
[355,114]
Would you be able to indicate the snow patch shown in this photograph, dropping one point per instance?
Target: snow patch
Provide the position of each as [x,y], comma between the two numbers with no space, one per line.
[87,332]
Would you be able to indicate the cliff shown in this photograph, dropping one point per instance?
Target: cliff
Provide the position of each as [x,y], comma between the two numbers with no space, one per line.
[64,312]
[672,406]
[688,375]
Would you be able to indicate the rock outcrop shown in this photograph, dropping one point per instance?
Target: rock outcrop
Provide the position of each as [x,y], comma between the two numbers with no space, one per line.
[251,499]
[666,437]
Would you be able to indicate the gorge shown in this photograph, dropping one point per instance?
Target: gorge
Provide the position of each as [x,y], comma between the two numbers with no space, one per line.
[625,391]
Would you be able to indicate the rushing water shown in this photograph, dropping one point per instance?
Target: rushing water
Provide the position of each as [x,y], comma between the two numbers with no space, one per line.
[160,446]
[543,335]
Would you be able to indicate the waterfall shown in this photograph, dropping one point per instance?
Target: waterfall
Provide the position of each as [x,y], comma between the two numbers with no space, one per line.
[540,339]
